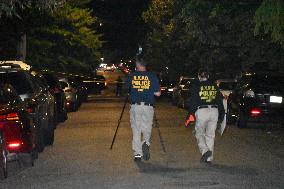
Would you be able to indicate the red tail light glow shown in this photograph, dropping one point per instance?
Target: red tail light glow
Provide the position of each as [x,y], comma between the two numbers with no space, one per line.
[2,117]
[68,104]
[14,145]
[56,90]
[30,110]
[255,112]
[10,117]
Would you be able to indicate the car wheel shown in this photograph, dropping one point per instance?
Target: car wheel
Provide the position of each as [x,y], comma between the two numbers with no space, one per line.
[242,120]
[65,116]
[3,158]
[39,140]
[49,134]
[74,107]
[27,159]
[230,118]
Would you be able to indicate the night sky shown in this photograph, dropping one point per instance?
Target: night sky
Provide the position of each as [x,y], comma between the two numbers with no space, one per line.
[123,27]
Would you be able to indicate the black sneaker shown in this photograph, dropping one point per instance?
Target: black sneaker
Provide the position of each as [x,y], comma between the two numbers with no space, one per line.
[208,162]
[137,157]
[146,151]
[205,156]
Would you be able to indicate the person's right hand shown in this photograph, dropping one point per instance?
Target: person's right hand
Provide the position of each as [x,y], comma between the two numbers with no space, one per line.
[190,121]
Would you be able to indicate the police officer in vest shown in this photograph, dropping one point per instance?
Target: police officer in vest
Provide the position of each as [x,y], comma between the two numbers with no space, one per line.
[205,103]
[143,86]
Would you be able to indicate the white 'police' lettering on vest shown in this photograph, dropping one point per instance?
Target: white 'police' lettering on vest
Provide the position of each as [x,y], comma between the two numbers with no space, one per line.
[141,83]
[208,93]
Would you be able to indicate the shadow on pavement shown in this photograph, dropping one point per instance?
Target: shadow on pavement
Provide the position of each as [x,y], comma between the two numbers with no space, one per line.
[156,168]
[232,170]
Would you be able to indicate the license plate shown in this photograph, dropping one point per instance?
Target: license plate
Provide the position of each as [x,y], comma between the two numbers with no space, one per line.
[275,99]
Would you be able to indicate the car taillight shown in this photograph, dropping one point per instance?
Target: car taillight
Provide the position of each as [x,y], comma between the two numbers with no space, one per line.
[13,134]
[13,145]
[67,103]
[255,112]
[30,110]
[9,117]
[68,90]
[56,90]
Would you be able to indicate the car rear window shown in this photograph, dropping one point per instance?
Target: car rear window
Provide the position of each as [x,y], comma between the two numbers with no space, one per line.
[227,85]
[51,80]
[3,96]
[18,80]
[185,81]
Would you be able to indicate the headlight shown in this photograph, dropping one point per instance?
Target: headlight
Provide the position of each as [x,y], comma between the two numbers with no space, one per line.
[249,93]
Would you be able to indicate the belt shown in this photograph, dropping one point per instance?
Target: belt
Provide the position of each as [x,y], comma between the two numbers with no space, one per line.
[207,106]
[142,103]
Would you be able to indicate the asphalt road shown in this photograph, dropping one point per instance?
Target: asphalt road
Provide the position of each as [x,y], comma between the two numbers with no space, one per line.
[80,157]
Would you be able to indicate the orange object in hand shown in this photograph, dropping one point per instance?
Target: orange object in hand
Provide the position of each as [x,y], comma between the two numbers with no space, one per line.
[190,119]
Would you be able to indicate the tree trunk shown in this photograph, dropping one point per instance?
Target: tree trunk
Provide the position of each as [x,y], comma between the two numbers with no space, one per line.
[22,47]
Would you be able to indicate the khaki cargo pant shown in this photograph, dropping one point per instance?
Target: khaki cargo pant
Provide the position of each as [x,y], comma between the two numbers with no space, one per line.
[141,120]
[205,127]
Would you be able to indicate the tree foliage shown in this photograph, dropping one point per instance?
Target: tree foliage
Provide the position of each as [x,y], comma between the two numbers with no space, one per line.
[269,19]
[67,42]
[12,7]
[59,39]
[186,35]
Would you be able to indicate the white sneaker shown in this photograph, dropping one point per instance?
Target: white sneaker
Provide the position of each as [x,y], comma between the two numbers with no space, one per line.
[137,157]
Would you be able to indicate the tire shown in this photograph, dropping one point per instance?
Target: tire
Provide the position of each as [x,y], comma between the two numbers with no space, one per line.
[27,159]
[242,120]
[40,144]
[3,158]
[63,116]
[230,118]
[49,134]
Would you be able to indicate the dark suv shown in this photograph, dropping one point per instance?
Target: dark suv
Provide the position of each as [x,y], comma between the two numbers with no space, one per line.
[257,98]
[36,99]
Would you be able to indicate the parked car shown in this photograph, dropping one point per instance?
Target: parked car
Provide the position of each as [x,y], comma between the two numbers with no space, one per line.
[17,136]
[37,101]
[96,84]
[15,64]
[80,86]
[166,87]
[56,90]
[181,90]
[257,98]
[71,93]
[226,87]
